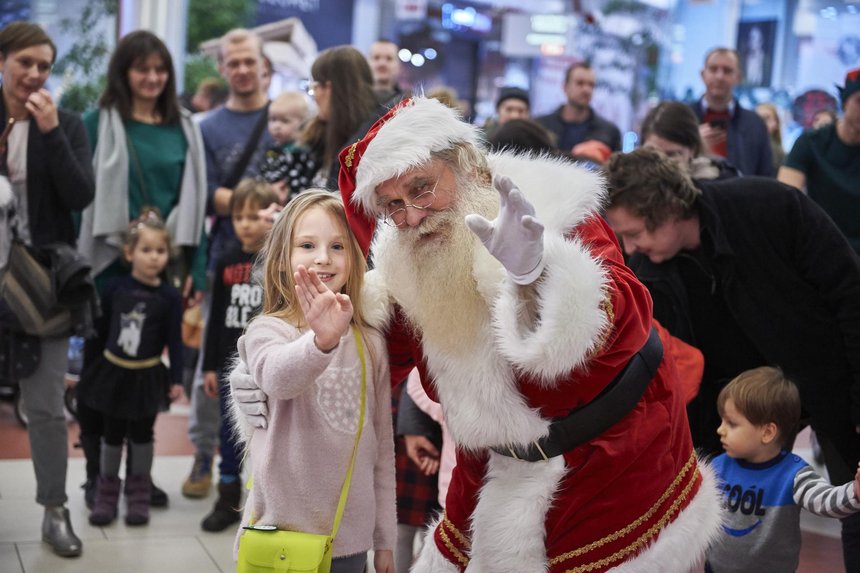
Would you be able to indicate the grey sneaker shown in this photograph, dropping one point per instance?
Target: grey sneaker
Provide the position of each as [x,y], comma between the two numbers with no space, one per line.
[57,532]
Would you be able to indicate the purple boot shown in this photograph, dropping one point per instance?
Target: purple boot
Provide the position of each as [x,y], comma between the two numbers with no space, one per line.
[107,498]
[138,492]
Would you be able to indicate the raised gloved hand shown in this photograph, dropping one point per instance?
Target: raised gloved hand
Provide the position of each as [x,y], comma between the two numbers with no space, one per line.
[249,398]
[515,237]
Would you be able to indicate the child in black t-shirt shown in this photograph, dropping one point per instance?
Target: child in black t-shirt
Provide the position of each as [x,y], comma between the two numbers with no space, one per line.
[127,381]
[236,298]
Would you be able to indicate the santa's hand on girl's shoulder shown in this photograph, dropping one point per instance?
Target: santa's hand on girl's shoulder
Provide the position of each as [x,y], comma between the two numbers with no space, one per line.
[6,193]
[250,400]
[327,313]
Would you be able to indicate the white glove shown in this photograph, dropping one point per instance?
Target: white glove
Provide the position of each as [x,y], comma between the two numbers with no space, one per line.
[515,237]
[6,193]
[250,400]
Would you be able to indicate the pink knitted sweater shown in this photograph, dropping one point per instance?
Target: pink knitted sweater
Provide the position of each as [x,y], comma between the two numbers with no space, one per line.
[299,462]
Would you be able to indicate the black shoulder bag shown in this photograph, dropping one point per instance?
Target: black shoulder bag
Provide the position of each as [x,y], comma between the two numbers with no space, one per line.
[239,167]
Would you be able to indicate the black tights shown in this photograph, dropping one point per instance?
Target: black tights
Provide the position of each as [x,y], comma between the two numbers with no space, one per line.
[137,431]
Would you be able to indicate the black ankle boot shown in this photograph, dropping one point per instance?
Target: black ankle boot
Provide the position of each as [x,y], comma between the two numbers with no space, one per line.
[226,511]
[158,497]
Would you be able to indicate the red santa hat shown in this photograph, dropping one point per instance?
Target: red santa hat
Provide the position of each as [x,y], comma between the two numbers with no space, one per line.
[402,139]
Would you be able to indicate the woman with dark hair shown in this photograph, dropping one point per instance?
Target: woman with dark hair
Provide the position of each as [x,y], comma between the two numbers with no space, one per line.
[45,174]
[522,135]
[342,86]
[672,127]
[147,154]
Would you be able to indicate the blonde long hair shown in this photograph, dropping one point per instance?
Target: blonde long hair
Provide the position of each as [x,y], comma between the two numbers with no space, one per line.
[279,286]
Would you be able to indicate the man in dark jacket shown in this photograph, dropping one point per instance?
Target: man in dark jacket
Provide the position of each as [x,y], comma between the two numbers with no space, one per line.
[727,129]
[576,121]
[753,273]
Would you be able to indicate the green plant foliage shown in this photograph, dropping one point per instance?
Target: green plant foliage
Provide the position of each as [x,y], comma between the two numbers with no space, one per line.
[197,68]
[85,63]
[209,19]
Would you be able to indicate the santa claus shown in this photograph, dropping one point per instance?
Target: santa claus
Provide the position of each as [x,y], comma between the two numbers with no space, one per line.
[508,291]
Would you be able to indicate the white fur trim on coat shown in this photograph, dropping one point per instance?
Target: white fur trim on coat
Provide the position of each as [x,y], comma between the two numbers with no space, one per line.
[406,141]
[572,319]
[430,559]
[683,544]
[375,302]
[508,524]
[562,193]
[681,547]
[240,427]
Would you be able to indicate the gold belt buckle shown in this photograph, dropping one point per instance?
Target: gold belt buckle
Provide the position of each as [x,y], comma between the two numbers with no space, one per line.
[537,445]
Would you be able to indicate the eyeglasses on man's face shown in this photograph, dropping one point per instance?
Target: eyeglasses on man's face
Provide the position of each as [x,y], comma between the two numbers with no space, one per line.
[394,213]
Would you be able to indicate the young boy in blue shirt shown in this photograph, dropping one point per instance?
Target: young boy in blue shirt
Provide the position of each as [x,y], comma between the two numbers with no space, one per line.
[764,485]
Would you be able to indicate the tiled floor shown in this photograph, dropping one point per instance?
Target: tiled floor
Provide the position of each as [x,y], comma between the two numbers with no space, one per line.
[173,541]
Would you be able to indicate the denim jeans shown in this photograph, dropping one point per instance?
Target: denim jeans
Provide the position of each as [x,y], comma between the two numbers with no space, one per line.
[231,450]
[204,419]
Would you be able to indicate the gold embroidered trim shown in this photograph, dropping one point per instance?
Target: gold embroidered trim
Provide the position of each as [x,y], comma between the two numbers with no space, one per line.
[645,537]
[454,551]
[350,155]
[607,307]
[636,523]
[464,541]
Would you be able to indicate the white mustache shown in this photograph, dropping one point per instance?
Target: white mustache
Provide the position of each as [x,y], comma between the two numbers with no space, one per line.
[431,223]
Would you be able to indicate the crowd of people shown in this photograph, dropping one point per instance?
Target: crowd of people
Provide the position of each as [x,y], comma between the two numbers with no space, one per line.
[574,322]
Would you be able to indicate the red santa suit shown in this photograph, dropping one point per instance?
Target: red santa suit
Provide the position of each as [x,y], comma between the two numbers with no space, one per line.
[635,498]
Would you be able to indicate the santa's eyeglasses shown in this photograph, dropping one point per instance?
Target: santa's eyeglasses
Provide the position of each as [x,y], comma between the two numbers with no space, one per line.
[395,212]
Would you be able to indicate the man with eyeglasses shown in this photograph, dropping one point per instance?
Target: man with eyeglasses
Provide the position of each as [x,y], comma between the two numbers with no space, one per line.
[510,295]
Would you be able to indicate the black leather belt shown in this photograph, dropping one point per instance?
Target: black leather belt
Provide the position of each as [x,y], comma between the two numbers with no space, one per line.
[607,409]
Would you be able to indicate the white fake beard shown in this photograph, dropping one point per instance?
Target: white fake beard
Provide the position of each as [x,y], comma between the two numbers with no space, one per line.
[445,306]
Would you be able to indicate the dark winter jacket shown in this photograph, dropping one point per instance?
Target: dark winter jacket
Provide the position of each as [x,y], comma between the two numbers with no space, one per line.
[747,141]
[598,128]
[792,283]
[59,177]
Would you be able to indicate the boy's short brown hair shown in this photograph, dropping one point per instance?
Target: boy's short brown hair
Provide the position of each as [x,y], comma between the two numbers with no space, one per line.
[764,395]
[255,191]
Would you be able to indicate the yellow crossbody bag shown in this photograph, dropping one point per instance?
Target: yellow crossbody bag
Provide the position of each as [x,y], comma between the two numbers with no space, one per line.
[266,549]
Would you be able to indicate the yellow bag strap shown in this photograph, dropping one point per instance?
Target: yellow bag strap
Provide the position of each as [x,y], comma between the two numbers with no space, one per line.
[344,491]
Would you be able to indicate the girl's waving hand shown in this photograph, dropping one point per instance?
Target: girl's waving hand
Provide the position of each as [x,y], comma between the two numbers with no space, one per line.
[328,314]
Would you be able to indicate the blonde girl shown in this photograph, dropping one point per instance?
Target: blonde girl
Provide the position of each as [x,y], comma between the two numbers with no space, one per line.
[302,354]
[770,115]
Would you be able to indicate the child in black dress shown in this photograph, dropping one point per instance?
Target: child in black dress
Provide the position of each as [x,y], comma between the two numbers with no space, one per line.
[128,383]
